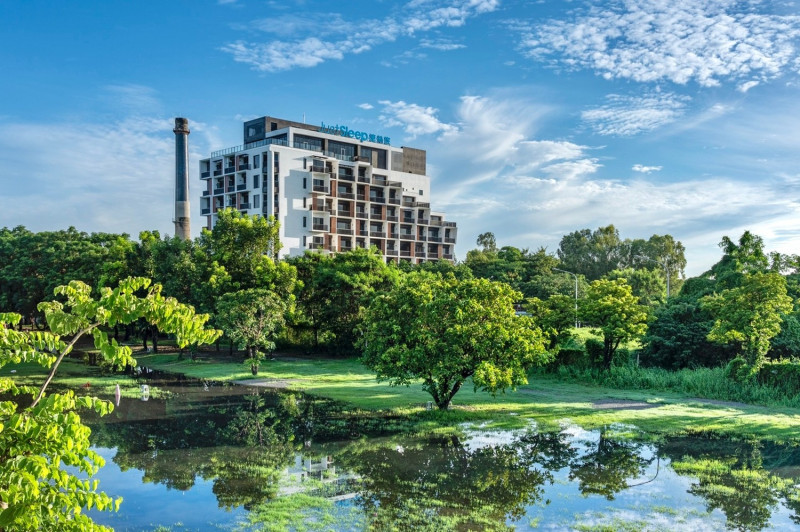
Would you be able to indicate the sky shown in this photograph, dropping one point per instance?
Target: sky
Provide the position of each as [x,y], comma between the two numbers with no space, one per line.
[539,117]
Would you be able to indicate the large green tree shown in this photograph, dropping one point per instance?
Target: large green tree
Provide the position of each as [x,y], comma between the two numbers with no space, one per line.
[251,319]
[749,316]
[36,493]
[591,253]
[443,331]
[611,307]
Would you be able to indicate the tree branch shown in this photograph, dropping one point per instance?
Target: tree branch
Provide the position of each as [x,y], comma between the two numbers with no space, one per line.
[63,353]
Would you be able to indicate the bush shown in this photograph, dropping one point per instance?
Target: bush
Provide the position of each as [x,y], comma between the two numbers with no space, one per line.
[595,350]
[781,374]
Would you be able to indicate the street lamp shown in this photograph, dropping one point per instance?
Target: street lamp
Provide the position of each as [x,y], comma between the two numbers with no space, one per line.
[664,265]
[576,292]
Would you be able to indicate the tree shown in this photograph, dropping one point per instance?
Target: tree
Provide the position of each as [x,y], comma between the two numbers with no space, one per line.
[444,331]
[749,316]
[487,242]
[35,492]
[648,285]
[251,318]
[611,306]
[592,254]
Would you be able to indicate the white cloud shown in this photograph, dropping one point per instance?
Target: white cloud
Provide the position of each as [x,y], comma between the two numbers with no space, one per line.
[746,86]
[335,38]
[704,41]
[441,45]
[627,116]
[366,106]
[413,118]
[645,169]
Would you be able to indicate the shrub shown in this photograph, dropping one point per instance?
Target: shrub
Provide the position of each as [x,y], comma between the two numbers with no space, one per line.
[781,374]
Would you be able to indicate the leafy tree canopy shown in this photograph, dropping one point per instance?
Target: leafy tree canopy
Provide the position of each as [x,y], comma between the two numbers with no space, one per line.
[444,331]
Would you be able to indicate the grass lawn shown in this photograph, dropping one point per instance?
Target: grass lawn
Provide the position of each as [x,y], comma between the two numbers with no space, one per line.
[545,400]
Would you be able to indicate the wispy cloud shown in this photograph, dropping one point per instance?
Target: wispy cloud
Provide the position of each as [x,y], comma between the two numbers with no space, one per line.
[625,116]
[705,41]
[345,38]
[442,45]
[414,119]
[366,106]
[645,169]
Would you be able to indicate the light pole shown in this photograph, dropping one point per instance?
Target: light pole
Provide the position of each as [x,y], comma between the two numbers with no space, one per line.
[576,292]
[664,265]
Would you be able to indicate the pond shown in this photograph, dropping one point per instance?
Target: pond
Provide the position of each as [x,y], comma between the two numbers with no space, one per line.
[226,457]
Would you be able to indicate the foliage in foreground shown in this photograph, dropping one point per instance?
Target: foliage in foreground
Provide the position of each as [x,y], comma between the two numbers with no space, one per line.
[35,492]
[443,331]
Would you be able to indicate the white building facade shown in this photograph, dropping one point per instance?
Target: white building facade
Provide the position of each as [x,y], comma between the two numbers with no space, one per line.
[332,189]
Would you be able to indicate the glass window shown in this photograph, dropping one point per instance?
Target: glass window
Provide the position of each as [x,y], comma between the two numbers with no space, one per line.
[304,221]
[256,201]
[256,160]
[255,180]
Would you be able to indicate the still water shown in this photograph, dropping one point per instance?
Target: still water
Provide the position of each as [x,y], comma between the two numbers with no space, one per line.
[214,457]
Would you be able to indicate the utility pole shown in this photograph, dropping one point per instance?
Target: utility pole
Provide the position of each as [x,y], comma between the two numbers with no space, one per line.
[576,292]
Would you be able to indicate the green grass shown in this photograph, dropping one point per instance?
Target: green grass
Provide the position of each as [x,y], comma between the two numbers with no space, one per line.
[547,400]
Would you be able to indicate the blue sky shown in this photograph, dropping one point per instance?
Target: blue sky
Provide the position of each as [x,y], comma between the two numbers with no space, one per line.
[539,118]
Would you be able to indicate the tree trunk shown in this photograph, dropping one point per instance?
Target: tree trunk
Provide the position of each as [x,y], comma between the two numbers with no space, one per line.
[154,331]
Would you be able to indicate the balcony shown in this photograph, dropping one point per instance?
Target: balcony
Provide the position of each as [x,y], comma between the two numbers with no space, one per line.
[245,166]
[218,191]
[422,238]
[392,218]
[230,170]
[363,232]
[377,199]
[391,252]
[423,205]
[377,234]
[204,175]
[420,254]
[344,231]
[206,193]
[320,188]
[344,213]
[449,224]
[434,239]
[361,215]
[217,173]
[319,227]
[379,182]
[408,220]
[406,237]
[363,179]
[361,197]
[449,240]
[346,177]
[405,253]
[241,187]
[345,195]
[321,208]
[394,201]
[393,235]
[205,210]
[448,256]
[244,206]
[423,221]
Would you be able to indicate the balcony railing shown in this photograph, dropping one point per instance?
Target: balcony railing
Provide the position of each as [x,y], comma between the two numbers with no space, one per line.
[243,206]
[449,224]
[346,177]
[423,221]
[361,215]
[321,208]
[377,199]
[404,253]
[422,238]
[217,173]
[449,240]
[319,227]
[243,186]
[392,218]
[204,175]
[205,210]
[343,231]
[423,205]
[377,234]
[363,179]
[434,239]
[244,166]
[394,201]
[408,220]
[206,193]
[343,213]
[361,197]
[345,195]
[406,237]
[420,254]
[320,188]
[391,252]
[231,188]
[448,256]
[230,170]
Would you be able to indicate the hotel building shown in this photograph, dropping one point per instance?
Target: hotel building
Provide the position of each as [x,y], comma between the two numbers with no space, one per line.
[331,188]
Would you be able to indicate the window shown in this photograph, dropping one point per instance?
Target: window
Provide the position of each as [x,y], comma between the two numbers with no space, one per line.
[304,241]
[256,201]
[304,203]
[256,160]
[420,192]
[304,221]
[255,180]
[305,163]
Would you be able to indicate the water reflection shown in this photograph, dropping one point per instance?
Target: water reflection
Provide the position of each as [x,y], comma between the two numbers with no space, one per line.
[285,456]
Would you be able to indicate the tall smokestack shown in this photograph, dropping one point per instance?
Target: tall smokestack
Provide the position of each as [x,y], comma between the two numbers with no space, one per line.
[182,216]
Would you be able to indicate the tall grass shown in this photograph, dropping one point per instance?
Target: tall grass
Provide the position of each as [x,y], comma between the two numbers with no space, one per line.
[705,383]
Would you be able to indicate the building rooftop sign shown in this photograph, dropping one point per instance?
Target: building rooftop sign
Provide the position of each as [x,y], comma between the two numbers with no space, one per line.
[345,131]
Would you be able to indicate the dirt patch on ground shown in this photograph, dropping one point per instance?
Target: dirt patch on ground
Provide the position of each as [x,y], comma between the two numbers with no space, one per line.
[277,384]
[715,402]
[622,404]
